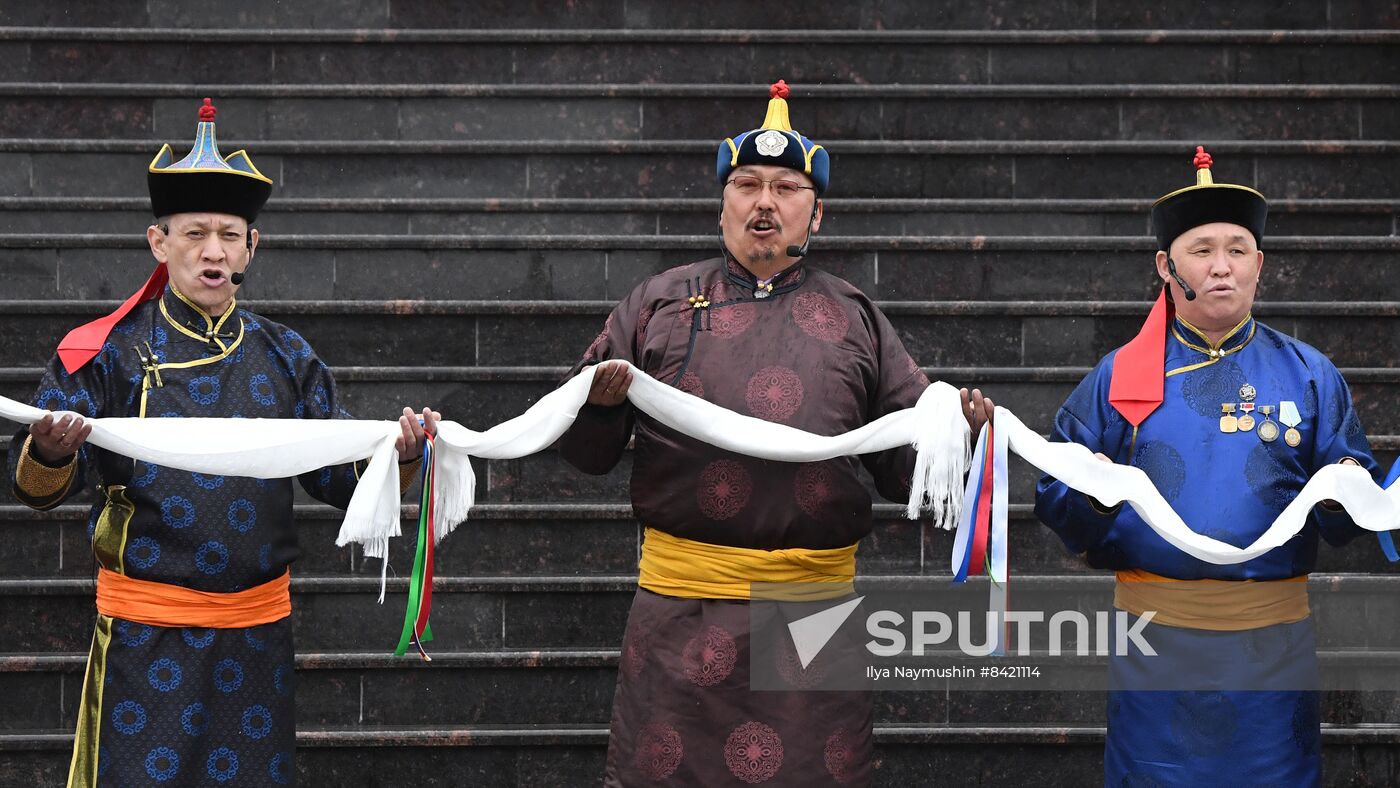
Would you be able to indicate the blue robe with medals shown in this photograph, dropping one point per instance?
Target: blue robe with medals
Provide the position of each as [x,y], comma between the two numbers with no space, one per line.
[1230,487]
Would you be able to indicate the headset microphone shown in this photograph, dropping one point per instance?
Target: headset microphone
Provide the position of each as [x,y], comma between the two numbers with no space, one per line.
[801,251]
[1185,288]
[237,277]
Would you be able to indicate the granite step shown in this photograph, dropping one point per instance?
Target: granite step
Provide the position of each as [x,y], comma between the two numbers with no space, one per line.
[552,168]
[998,755]
[484,396]
[691,216]
[358,691]
[662,112]
[607,268]
[660,15]
[898,54]
[498,333]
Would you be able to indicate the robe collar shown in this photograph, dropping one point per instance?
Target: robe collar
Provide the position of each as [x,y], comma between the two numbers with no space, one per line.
[192,324]
[787,279]
[1233,342]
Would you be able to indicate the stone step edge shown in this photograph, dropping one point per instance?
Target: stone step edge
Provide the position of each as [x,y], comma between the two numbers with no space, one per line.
[697,90]
[703,36]
[690,204]
[614,242]
[589,584]
[597,736]
[600,308]
[553,375]
[1316,148]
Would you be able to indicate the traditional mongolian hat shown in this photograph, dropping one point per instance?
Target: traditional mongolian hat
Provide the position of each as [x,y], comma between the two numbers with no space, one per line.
[202,182]
[1208,202]
[775,143]
[1135,390]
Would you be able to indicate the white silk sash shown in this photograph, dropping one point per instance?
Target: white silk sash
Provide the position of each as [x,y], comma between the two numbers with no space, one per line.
[276,448]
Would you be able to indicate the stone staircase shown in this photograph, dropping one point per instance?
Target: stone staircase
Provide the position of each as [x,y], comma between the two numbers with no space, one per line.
[464,190]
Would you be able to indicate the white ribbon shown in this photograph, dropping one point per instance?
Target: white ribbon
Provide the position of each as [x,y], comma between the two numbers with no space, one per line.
[276,448]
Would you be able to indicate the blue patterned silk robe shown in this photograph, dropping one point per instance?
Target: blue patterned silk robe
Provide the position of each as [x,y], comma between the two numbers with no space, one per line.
[1230,487]
[188,706]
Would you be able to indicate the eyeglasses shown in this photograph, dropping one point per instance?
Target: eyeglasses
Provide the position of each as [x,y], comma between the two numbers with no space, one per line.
[749,186]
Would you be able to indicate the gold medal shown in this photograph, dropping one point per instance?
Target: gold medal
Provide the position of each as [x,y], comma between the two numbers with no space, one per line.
[1288,414]
[1268,430]
[1247,419]
[1228,422]
[1292,437]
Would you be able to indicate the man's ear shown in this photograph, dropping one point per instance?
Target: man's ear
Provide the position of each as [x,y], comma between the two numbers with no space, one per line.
[155,237]
[1162,271]
[817,217]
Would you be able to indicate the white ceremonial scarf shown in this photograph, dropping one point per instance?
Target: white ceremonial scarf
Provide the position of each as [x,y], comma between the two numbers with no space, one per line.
[935,427]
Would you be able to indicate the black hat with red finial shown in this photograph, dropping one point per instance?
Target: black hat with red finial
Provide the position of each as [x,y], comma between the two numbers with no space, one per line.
[204,181]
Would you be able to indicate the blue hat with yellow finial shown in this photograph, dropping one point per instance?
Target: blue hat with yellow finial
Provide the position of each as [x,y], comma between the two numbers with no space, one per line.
[205,181]
[775,143]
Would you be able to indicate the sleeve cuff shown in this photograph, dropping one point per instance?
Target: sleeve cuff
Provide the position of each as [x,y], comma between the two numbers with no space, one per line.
[408,473]
[38,479]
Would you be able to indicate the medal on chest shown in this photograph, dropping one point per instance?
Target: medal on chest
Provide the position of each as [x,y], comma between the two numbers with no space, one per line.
[1288,414]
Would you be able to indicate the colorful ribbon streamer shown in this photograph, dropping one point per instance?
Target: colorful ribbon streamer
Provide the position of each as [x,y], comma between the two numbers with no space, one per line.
[980,545]
[416,630]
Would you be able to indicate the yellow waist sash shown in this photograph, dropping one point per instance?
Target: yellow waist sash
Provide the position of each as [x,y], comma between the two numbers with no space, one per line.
[684,568]
[1219,605]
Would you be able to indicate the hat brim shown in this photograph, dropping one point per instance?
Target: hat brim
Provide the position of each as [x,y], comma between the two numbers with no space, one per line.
[195,191]
[1194,206]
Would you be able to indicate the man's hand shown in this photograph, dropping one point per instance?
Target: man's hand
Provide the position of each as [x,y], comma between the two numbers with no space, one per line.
[57,437]
[976,408]
[611,379]
[410,443]
[1329,504]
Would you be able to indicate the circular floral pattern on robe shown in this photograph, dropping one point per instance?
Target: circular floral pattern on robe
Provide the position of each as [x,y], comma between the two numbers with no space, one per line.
[709,657]
[754,752]
[591,353]
[1206,389]
[727,322]
[658,751]
[1265,473]
[1163,465]
[840,755]
[820,317]
[1204,723]
[691,384]
[725,487]
[643,321]
[813,488]
[636,650]
[774,394]
[794,675]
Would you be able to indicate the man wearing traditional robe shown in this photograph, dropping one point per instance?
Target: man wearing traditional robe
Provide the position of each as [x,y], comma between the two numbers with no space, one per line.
[1229,418]
[190,676]
[761,332]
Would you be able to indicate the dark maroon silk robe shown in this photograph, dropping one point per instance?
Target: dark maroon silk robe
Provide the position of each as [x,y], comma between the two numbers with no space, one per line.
[817,355]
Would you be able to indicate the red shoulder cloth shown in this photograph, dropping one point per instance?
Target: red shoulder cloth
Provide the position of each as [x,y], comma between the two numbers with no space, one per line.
[1135,390]
[84,342]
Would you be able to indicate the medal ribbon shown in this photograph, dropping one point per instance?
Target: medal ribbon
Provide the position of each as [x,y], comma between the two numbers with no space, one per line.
[416,630]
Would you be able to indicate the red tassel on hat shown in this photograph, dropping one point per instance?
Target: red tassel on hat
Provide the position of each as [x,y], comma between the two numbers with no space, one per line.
[1135,390]
[84,342]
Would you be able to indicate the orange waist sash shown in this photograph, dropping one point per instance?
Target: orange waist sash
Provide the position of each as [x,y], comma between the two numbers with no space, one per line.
[165,605]
[1219,605]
